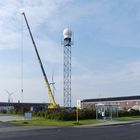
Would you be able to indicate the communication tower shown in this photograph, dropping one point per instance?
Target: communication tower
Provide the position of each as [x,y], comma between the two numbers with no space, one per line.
[67,34]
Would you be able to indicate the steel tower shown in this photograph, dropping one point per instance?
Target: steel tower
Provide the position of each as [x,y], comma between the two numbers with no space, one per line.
[67,34]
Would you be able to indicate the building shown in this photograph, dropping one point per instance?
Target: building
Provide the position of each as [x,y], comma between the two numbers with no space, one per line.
[6,106]
[125,102]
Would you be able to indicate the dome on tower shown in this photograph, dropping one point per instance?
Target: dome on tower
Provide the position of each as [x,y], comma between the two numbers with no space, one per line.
[67,33]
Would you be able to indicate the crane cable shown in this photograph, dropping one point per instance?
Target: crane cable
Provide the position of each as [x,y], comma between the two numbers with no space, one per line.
[21,59]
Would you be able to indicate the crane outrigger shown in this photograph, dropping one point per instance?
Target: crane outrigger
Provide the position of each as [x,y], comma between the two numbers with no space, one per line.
[52,104]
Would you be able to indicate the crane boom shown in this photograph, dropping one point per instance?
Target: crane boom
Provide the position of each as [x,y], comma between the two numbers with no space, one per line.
[52,100]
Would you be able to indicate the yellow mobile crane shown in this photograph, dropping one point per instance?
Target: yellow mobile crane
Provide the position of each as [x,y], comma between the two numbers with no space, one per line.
[52,104]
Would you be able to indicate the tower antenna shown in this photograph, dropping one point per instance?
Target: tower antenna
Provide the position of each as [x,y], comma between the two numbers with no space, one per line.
[67,34]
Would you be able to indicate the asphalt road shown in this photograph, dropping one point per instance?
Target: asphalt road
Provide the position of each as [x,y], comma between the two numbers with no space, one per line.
[4,125]
[10,118]
[126,132]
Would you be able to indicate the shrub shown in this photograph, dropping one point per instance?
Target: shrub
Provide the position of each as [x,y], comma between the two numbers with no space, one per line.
[4,111]
[66,114]
[125,113]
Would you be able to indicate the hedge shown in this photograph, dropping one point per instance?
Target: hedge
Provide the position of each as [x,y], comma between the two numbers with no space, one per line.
[66,115]
[125,113]
[70,114]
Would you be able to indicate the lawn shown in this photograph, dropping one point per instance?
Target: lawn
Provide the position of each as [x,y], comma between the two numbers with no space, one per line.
[45,122]
[133,118]
[3,114]
[38,121]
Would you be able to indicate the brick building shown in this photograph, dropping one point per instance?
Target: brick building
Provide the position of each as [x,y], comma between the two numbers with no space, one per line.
[126,102]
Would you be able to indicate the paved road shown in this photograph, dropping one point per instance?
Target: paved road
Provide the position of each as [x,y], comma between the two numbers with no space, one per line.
[122,132]
[10,118]
[4,124]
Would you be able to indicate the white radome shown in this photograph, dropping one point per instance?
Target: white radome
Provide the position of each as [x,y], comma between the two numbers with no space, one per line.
[67,33]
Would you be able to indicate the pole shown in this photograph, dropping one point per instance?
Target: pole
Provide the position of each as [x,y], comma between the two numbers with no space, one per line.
[111,112]
[96,112]
[77,110]
[77,115]
[117,111]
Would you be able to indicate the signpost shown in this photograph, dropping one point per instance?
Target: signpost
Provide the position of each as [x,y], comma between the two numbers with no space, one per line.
[77,110]
[28,116]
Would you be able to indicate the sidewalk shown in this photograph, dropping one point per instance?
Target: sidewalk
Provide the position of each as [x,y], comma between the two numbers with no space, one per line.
[109,123]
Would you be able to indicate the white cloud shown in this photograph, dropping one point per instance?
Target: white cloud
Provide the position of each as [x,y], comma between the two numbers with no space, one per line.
[47,16]
[37,13]
[92,84]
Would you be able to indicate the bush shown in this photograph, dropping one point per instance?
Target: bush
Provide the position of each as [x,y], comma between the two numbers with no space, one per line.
[66,114]
[87,114]
[4,111]
[125,113]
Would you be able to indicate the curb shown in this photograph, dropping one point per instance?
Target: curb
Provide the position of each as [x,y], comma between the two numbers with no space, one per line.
[109,124]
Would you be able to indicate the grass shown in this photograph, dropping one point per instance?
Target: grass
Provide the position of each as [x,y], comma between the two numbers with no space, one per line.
[133,118]
[38,121]
[45,122]
[3,114]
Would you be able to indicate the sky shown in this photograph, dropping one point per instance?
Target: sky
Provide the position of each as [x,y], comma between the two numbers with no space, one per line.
[105,53]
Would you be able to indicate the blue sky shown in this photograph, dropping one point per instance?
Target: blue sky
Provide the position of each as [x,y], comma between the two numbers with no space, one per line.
[105,54]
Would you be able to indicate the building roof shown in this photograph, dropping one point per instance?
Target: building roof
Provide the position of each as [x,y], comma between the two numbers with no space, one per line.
[22,104]
[112,99]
